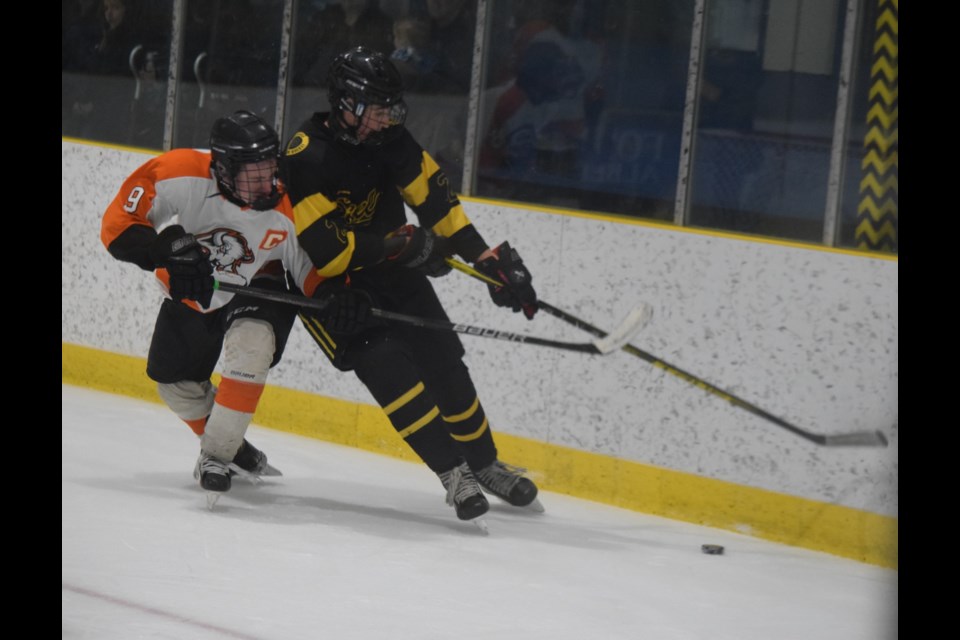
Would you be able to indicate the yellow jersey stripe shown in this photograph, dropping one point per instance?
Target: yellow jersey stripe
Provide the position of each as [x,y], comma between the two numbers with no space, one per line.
[455,220]
[417,191]
[340,263]
[311,209]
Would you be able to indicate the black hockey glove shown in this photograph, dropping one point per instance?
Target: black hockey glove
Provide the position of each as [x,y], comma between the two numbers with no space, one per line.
[347,310]
[191,275]
[424,251]
[516,291]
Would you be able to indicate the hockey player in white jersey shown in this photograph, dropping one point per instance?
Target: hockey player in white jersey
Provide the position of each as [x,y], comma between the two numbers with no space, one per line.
[188,215]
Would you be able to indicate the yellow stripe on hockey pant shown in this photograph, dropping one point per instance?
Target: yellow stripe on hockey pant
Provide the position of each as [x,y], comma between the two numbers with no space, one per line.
[419,424]
[471,436]
[460,417]
[404,399]
[320,335]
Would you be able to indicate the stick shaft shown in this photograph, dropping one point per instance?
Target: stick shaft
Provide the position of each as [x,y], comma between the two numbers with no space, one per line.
[858,438]
[415,321]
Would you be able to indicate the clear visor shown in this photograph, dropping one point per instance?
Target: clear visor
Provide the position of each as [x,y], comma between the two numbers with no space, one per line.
[373,123]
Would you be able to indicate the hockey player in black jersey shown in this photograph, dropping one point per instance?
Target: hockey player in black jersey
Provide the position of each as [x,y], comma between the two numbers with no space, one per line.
[350,172]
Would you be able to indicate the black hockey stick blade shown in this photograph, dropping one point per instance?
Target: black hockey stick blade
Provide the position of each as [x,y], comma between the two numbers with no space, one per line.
[856,439]
[853,439]
[627,329]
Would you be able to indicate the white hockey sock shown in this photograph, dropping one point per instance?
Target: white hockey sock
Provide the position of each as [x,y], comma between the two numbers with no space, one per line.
[191,401]
[248,348]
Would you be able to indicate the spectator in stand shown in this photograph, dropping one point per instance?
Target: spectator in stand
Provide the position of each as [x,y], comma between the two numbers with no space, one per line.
[453,29]
[534,140]
[81,32]
[334,28]
[413,55]
[120,35]
[101,105]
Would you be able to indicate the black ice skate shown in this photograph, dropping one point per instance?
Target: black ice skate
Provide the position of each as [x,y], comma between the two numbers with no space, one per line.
[213,475]
[509,484]
[463,493]
[252,463]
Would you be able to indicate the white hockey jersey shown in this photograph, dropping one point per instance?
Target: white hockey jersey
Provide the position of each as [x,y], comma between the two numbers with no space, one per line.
[177,187]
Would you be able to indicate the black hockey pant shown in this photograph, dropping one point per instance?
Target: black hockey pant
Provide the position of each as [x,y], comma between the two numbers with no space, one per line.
[416,375]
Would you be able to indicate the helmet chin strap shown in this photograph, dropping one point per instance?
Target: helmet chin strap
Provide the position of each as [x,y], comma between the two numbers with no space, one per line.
[267,202]
[338,124]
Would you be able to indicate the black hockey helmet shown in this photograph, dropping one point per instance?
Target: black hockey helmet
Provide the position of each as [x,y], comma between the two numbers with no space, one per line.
[362,77]
[240,139]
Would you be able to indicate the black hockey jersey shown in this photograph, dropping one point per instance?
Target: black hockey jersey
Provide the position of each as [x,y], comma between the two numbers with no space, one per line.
[348,198]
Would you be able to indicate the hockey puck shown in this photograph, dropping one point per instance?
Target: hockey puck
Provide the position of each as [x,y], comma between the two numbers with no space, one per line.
[712,549]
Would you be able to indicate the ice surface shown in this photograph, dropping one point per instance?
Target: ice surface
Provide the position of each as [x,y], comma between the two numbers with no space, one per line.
[349,544]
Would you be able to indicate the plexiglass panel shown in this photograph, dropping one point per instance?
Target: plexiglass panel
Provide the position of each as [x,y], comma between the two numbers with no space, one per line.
[767,103]
[430,42]
[583,104]
[230,61]
[115,56]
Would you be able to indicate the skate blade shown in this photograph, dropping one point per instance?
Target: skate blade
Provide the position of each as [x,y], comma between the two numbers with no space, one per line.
[212,497]
[271,470]
[255,478]
[481,524]
[536,506]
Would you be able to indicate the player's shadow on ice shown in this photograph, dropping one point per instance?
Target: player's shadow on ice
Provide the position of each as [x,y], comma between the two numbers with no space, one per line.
[412,512]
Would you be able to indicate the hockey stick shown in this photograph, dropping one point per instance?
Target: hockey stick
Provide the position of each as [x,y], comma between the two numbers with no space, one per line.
[852,439]
[604,345]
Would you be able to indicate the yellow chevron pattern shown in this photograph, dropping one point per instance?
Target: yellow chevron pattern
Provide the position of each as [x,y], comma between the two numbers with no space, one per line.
[877,212]
[869,232]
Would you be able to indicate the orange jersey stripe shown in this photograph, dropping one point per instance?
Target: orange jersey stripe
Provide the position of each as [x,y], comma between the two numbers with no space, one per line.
[135,199]
[285,207]
[239,395]
[312,282]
